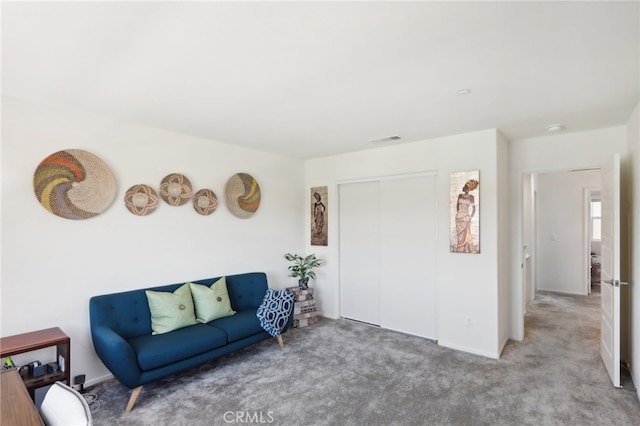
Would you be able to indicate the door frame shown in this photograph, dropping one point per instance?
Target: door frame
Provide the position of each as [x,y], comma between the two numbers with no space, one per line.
[520,291]
[588,195]
[529,251]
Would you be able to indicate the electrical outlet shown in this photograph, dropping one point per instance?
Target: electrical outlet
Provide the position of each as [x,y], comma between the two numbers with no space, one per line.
[469,322]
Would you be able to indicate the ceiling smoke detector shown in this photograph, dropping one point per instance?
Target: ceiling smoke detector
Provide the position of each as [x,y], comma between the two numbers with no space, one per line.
[388,139]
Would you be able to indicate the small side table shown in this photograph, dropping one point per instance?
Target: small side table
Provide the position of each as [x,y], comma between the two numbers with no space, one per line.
[40,339]
[305,312]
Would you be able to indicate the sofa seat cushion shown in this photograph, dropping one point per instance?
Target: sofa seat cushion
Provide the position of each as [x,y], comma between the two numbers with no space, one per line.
[158,350]
[241,325]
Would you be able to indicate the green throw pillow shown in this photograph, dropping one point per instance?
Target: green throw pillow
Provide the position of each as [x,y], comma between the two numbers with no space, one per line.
[211,302]
[170,311]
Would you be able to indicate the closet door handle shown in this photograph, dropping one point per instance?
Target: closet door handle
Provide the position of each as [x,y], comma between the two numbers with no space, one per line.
[615,283]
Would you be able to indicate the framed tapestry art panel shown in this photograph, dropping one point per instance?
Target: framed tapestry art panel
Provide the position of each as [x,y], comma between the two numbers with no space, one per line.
[319,219]
[464,206]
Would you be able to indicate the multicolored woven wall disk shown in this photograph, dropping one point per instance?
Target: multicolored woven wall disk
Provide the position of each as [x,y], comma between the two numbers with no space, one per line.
[242,194]
[74,184]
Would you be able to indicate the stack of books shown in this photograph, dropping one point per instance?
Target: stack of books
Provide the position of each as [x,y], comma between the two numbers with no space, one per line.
[304,309]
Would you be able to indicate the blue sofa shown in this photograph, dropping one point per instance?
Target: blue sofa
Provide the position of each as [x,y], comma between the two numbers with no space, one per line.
[122,338]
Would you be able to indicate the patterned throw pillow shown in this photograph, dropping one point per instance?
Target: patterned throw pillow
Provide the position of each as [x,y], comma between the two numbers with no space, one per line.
[275,310]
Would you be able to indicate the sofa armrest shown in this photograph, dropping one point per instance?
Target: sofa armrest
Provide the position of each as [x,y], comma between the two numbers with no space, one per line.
[117,355]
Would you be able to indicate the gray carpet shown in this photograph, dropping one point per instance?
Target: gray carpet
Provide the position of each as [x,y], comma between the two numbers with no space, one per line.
[344,373]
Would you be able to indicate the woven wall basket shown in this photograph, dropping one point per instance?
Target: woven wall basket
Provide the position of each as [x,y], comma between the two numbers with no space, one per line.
[242,194]
[141,200]
[205,202]
[175,189]
[74,184]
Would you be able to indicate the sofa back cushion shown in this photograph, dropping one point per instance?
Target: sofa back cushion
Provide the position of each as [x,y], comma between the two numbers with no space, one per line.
[127,313]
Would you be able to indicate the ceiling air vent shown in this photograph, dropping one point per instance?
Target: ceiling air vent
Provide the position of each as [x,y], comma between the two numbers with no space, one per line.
[388,139]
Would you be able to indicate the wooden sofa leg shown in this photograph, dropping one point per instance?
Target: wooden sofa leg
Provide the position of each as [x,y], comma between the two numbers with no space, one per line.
[132,400]
[280,341]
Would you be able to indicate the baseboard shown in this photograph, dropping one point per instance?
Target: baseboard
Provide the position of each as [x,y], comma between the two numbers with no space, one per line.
[469,350]
[570,293]
[504,344]
[97,380]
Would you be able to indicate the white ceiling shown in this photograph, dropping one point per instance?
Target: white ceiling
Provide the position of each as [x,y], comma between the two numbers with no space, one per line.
[309,79]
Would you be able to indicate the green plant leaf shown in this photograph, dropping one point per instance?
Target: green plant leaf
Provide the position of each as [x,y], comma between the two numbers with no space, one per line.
[302,266]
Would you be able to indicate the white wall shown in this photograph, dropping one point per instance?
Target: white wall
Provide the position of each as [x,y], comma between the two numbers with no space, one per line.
[633,138]
[51,266]
[467,284]
[564,151]
[562,261]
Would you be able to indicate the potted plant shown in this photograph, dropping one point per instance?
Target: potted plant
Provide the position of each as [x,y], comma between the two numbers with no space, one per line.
[303,268]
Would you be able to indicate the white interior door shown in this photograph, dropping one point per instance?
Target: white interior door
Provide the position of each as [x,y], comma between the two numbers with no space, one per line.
[610,269]
[407,255]
[360,252]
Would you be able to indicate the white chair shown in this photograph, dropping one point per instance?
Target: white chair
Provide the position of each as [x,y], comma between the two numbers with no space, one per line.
[64,406]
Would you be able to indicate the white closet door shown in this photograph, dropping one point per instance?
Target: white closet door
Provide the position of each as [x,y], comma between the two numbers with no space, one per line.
[360,252]
[407,254]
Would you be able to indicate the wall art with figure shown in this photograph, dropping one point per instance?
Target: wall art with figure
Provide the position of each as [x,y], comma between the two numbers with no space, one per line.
[464,204]
[319,211]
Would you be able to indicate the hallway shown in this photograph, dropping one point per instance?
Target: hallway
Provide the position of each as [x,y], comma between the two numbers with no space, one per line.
[562,340]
